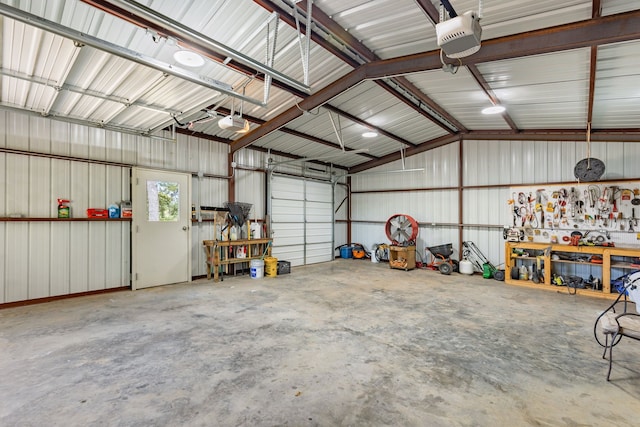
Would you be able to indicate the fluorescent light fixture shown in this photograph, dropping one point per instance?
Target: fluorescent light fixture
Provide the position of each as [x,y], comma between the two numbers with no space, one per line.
[494,109]
[370,134]
[188,58]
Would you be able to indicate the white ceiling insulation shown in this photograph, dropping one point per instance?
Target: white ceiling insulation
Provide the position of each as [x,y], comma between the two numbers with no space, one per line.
[79,60]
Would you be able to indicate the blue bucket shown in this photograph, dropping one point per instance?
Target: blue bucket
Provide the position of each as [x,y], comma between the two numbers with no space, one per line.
[345,252]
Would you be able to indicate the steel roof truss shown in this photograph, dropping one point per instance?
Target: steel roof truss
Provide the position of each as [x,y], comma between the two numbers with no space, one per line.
[55,28]
[190,38]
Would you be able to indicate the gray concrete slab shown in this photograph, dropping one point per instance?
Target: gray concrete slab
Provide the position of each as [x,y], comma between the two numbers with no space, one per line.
[343,343]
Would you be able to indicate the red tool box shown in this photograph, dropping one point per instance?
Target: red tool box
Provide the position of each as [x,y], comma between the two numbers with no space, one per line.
[97,213]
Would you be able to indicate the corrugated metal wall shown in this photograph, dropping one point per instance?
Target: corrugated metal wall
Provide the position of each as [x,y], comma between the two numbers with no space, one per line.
[432,201]
[41,259]
[489,168]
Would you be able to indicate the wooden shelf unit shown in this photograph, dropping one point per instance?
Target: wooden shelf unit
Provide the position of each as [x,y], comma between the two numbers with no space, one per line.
[218,253]
[547,251]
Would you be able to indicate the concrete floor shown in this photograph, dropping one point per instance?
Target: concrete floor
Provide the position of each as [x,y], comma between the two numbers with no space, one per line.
[346,343]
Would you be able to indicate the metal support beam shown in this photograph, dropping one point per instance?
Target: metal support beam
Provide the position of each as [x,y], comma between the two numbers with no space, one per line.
[87,92]
[434,111]
[593,32]
[302,135]
[405,91]
[479,78]
[368,125]
[192,39]
[611,29]
[321,97]
[433,15]
[397,155]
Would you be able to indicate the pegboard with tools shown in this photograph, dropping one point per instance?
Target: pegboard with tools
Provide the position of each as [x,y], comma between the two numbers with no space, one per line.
[600,214]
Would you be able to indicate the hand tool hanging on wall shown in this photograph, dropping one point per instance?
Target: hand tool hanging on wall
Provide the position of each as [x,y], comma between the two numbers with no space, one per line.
[523,214]
[603,201]
[594,195]
[613,197]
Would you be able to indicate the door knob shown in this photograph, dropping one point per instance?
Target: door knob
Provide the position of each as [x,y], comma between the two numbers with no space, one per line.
[185,228]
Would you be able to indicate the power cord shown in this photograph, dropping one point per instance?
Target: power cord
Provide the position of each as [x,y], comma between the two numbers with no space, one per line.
[449,68]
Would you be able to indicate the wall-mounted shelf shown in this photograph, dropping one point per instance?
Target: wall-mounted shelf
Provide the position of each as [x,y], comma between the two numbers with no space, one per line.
[8,219]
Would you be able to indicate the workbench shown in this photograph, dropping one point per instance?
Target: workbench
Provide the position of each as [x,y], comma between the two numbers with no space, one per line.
[223,253]
[573,259]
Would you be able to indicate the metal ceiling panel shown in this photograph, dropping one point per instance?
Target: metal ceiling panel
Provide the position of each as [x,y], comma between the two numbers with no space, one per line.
[389,28]
[543,91]
[460,95]
[21,94]
[611,7]
[502,18]
[617,86]
[38,61]
[394,28]
[373,104]
[301,147]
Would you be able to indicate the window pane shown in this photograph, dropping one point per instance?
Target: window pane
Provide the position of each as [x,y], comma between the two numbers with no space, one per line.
[163,201]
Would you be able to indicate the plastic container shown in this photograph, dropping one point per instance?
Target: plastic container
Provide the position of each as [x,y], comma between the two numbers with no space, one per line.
[233,233]
[64,211]
[524,273]
[465,267]
[114,211]
[270,266]
[256,267]
[256,230]
[346,252]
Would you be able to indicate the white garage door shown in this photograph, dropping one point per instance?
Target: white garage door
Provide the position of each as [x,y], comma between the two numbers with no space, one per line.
[301,220]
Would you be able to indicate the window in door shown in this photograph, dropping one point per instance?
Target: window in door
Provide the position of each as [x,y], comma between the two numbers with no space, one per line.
[163,201]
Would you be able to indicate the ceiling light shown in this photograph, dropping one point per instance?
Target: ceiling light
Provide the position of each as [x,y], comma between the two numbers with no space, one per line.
[494,109]
[188,58]
[370,134]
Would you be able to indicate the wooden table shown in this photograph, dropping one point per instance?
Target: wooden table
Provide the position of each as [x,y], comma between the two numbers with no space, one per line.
[218,253]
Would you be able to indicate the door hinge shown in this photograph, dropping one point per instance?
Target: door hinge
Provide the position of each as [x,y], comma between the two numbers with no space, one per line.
[137,181]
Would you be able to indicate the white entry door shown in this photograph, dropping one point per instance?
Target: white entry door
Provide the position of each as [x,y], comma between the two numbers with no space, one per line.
[161,235]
